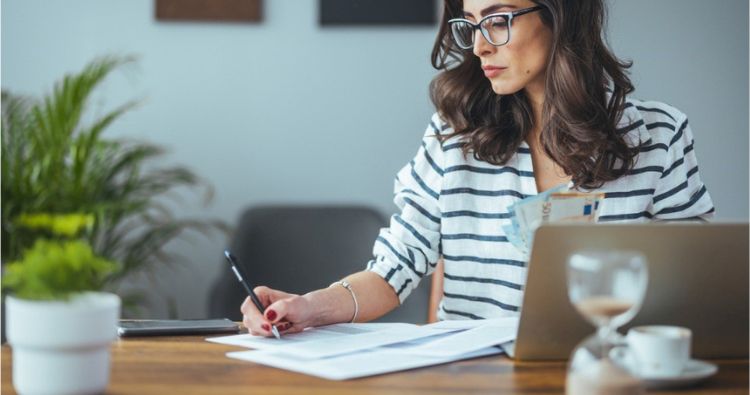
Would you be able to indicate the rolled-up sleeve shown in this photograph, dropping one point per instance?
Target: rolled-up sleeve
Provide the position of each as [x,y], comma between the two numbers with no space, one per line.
[409,248]
[680,193]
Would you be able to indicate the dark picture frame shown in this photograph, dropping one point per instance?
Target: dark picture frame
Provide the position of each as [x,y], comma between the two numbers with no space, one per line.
[209,10]
[378,12]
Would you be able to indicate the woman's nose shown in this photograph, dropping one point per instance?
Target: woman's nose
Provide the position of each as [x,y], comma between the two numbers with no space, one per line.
[481,46]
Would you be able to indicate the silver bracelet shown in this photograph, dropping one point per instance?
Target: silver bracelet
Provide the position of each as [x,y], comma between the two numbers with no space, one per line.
[348,287]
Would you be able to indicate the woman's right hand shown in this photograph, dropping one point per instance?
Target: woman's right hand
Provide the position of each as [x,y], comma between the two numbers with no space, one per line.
[289,312]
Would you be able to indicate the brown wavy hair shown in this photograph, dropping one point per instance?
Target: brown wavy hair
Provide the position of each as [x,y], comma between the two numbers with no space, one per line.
[579,130]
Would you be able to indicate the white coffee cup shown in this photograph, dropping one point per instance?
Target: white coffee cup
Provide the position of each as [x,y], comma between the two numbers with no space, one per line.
[659,351]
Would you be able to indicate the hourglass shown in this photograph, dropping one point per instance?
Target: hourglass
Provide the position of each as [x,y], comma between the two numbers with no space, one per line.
[607,288]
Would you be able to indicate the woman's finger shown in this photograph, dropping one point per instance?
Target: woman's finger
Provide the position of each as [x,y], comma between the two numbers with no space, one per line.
[270,295]
[253,320]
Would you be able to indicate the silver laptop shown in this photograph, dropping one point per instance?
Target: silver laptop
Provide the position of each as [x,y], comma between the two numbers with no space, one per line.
[698,278]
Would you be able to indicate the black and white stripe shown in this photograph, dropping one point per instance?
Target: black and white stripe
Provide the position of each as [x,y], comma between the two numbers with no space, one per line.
[454,207]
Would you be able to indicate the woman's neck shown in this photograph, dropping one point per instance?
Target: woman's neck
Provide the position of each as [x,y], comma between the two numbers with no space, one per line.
[537,104]
[547,173]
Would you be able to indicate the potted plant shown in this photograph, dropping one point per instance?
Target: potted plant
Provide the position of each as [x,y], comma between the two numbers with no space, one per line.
[59,325]
[56,159]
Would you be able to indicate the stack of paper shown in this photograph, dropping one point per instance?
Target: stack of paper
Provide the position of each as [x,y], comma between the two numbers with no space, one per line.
[345,351]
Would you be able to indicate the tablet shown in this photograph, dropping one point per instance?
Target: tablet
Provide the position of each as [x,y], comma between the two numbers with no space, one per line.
[127,328]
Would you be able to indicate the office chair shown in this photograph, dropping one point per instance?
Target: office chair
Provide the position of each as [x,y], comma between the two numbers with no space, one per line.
[298,249]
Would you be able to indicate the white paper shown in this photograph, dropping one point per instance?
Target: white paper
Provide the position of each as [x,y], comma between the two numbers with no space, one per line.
[360,364]
[345,351]
[467,341]
[336,331]
[509,348]
[470,324]
[338,345]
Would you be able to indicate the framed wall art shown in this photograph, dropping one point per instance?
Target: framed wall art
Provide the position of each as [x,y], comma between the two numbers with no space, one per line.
[378,12]
[209,10]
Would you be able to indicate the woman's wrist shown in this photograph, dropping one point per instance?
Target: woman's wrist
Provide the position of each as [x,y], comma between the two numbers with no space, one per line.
[330,305]
[346,285]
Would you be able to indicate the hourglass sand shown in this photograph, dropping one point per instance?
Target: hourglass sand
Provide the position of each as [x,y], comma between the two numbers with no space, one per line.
[607,288]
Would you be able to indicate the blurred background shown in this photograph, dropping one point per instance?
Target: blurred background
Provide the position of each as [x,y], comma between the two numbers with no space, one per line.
[287,111]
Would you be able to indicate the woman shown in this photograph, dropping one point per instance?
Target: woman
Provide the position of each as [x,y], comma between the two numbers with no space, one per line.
[529,98]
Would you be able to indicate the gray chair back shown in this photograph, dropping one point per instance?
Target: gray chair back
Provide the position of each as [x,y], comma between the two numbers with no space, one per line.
[302,248]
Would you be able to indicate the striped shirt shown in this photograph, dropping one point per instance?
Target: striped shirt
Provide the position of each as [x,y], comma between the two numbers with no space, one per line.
[454,206]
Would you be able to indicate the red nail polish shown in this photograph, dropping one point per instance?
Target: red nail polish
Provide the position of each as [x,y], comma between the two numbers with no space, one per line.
[271,315]
[265,327]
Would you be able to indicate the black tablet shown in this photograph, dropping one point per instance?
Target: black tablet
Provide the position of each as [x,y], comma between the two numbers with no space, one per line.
[126,328]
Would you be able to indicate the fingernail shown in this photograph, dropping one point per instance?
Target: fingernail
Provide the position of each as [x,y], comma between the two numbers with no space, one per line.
[266,327]
[271,315]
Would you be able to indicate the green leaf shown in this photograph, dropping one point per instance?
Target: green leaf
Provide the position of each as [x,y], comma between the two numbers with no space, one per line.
[57,270]
[54,163]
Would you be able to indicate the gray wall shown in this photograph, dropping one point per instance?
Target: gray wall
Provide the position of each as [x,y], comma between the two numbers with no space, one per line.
[694,56]
[286,111]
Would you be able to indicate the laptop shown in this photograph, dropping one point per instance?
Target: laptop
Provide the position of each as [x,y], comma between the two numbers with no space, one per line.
[698,278]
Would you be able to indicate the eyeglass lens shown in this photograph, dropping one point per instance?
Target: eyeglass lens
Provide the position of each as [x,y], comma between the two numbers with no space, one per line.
[495,29]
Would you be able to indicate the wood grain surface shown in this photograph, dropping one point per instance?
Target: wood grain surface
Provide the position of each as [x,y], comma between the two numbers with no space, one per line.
[190,365]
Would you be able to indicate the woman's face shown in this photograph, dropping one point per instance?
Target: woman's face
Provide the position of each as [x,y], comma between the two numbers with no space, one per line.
[522,62]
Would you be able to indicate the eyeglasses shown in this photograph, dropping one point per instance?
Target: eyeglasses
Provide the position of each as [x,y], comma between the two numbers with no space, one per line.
[494,27]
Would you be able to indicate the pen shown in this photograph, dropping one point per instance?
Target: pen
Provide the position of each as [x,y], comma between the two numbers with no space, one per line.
[237,269]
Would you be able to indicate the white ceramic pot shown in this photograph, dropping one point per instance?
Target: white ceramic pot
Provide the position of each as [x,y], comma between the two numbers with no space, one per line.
[62,347]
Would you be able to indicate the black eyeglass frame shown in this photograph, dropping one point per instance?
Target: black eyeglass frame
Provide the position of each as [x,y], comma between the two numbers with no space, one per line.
[479,25]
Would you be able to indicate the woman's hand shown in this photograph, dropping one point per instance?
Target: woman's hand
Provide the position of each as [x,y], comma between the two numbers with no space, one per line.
[289,312]
[292,313]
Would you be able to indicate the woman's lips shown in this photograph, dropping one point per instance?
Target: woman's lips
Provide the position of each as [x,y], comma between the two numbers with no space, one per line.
[492,71]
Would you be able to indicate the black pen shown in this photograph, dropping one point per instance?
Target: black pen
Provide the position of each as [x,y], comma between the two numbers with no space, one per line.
[237,269]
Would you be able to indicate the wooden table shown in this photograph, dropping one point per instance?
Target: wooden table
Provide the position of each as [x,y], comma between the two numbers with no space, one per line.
[190,365]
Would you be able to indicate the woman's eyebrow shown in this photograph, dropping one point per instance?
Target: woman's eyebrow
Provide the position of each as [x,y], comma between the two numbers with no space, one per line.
[490,9]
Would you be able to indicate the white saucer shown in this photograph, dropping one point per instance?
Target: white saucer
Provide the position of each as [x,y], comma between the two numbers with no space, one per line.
[695,371]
